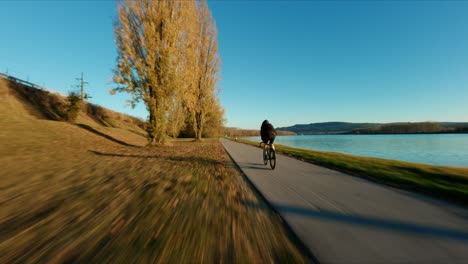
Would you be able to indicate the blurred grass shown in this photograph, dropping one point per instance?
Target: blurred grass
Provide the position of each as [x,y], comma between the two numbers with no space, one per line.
[68,194]
[450,183]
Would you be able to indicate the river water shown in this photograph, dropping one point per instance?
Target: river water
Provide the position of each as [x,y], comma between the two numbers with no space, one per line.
[437,149]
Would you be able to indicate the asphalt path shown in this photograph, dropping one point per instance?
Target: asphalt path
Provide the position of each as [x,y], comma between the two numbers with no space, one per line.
[346,219]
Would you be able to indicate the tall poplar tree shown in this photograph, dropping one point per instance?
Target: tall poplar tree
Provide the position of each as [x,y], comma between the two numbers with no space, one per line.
[168,58]
[148,37]
[205,71]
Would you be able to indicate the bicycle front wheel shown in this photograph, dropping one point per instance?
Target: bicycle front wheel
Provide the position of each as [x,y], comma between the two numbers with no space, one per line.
[272,159]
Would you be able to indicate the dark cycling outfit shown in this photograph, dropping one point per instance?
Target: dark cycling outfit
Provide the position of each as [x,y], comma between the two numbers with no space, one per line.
[267,132]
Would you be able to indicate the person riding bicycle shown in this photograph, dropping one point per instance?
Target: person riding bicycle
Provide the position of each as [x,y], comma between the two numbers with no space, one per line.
[268,133]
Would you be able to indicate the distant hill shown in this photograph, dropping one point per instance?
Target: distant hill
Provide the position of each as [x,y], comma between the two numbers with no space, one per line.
[414,128]
[326,127]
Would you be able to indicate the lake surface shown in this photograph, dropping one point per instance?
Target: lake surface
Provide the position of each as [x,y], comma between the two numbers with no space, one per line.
[438,149]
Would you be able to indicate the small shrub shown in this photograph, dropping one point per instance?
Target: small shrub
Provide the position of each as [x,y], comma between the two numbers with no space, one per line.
[74,105]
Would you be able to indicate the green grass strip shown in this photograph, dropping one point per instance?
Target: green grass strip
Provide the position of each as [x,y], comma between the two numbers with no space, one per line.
[449,183]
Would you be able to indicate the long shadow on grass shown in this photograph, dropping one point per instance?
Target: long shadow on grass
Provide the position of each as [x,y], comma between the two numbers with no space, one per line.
[371,222]
[99,133]
[438,176]
[170,158]
[136,132]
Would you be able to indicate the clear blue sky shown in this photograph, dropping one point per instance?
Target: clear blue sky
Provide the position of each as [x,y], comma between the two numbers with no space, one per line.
[288,61]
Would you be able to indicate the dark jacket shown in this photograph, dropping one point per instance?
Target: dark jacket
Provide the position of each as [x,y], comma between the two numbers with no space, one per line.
[267,131]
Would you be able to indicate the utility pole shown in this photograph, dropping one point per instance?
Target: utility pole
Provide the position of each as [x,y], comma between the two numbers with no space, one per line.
[82,83]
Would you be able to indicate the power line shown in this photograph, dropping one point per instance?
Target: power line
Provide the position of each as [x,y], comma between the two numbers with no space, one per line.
[81,85]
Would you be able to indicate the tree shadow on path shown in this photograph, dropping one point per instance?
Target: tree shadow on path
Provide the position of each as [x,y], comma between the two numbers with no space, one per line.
[372,222]
[255,166]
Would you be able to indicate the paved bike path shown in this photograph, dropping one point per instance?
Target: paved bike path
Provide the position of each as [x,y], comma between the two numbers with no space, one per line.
[345,219]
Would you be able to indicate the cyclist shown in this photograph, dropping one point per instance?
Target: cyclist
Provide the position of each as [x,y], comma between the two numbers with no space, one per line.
[268,133]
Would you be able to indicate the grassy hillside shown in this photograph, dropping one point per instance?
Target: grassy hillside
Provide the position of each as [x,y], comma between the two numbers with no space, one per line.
[90,192]
[49,106]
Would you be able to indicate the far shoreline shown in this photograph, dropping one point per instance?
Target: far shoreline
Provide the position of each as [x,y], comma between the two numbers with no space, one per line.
[363,134]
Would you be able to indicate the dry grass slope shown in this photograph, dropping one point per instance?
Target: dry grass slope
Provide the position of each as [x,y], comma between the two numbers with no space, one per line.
[94,194]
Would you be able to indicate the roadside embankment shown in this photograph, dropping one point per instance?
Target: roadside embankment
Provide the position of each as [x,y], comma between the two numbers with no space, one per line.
[91,193]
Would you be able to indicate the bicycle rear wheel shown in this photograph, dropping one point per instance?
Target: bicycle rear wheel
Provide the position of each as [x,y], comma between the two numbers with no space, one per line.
[272,159]
[265,156]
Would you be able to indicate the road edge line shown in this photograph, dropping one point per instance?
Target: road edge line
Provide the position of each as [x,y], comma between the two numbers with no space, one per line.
[294,237]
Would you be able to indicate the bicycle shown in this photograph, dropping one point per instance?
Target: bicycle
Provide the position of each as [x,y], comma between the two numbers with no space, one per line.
[269,154]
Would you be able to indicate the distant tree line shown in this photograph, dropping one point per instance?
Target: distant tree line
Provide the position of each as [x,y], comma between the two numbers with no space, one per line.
[378,128]
[238,132]
[168,59]
[402,128]
[461,130]
[326,127]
